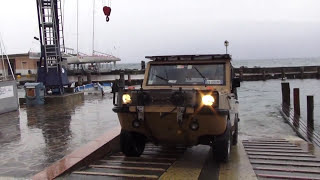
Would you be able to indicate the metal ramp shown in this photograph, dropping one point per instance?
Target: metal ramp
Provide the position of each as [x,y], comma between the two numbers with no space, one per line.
[150,165]
[281,159]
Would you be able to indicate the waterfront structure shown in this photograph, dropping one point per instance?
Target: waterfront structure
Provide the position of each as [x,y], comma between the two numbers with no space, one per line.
[21,65]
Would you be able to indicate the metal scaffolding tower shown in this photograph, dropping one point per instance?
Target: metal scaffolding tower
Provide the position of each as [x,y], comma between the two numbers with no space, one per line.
[52,69]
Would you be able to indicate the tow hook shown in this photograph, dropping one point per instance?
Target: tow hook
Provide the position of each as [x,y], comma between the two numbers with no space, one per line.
[140,110]
[180,112]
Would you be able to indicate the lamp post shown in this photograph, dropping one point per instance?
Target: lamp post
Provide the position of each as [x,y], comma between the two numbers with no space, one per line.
[226,43]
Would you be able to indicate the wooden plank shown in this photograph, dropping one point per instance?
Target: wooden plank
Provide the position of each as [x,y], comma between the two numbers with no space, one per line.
[283,158]
[268,144]
[137,162]
[275,150]
[162,152]
[271,147]
[145,157]
[285,164]
[265,143]
[128,168]
[266,140]
[117,174]
[287,177]
[159,154]
[287,170]
[279,154]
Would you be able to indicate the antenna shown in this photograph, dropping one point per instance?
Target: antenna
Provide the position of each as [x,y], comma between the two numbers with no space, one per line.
[93,27]
[77,27]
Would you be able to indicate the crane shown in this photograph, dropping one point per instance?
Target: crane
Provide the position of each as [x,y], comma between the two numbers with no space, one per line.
[52,67]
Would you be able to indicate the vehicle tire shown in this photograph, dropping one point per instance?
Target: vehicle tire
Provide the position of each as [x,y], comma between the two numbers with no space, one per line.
[236,131]
[132,144]
[222,149]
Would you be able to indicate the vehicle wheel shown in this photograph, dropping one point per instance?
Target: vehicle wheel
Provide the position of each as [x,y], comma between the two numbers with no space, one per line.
[236,132]
[132,144]
[221,149]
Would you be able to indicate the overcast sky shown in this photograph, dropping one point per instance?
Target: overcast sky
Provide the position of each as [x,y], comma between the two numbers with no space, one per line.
[256,29]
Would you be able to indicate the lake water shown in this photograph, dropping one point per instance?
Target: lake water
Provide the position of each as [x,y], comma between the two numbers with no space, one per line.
[250,63]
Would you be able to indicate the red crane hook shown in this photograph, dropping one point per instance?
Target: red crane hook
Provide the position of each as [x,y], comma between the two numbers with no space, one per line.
[107,12]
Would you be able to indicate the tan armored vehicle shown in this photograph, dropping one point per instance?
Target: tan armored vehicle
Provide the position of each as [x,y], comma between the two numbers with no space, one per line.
[184,100]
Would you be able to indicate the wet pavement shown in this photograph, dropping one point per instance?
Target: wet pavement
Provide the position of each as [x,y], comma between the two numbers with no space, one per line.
[34,137]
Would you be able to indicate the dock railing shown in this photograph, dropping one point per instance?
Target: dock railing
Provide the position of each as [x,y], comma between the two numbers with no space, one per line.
[304,129]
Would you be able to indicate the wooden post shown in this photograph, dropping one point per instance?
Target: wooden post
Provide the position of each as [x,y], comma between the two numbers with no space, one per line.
[241,73]
[285,86]
[296,103]
[264,74]
[301,72]
[310,117]
[143,65]
[80,80]
[283,74]
[89,80]
[129,79]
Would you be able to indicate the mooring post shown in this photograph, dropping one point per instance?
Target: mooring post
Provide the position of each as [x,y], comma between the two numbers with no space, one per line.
[143,65]
[264,74]
[301,72]
[310,117]
[241,73]
[296,103]
[285,86]
[89,80]
[129,79]
[80,80]
[283,74]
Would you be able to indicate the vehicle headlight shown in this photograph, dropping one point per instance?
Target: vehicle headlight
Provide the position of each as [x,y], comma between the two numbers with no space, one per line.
[207,100]
[126,98]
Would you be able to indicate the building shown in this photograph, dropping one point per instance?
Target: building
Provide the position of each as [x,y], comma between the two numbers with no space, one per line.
[21,64]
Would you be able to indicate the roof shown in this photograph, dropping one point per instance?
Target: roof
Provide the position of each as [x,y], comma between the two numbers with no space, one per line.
[18,55]
[191,57]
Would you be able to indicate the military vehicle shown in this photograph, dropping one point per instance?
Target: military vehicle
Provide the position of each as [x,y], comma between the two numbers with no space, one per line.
[183,100]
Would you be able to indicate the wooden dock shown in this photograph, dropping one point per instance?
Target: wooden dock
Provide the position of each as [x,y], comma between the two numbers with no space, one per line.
[265,73]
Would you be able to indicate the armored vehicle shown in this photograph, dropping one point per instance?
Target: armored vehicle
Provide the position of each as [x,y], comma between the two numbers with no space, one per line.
[183,100]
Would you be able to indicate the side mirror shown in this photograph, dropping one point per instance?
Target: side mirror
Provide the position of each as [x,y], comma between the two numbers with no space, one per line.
[236,82]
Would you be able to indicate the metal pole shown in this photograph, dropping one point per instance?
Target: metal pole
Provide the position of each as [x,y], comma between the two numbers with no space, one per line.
[4,50]
[77,27]
[3,65]
[93,27]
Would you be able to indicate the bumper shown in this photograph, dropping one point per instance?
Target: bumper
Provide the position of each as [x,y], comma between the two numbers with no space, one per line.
[162,127]
[164,109]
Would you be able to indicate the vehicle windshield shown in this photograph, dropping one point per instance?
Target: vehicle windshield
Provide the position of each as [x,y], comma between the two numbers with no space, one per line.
[187,74]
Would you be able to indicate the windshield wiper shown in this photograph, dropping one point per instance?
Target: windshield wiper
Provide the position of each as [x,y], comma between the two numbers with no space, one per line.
[203,77]
[162,78]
